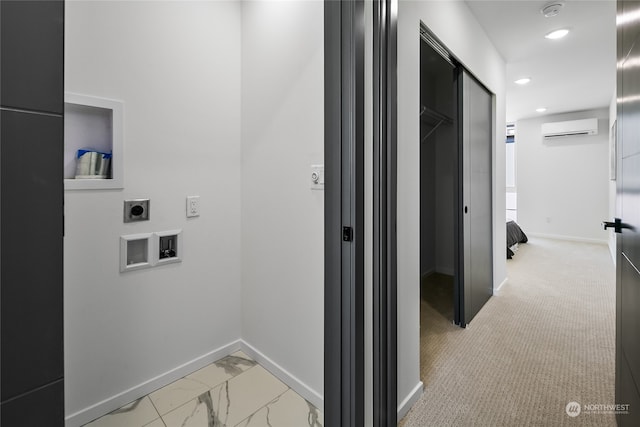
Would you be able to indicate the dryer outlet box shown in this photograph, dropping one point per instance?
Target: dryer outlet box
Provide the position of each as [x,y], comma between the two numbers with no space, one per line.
[136,210]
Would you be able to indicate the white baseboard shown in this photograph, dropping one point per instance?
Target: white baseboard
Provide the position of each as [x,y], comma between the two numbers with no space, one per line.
[112,403]
[506,279]
[286,377]
[569,238]
[117,401]
[410,400]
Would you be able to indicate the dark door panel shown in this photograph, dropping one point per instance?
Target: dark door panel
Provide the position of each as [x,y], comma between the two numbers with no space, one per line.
[477,134]
[39,408]
[628,192]
[32,55]
[31,251]
[627,394]
[631,88]
[627,38]
[630,204]
[630,318]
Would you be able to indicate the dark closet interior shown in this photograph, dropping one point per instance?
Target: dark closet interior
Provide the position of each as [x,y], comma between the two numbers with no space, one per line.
[438,185]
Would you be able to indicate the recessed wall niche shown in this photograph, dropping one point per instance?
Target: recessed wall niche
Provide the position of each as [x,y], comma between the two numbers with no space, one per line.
[94,124]
[135,252]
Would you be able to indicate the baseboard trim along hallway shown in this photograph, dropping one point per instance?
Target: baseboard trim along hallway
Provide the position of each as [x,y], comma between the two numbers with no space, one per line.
[504,282]
[410,400]
[568,238]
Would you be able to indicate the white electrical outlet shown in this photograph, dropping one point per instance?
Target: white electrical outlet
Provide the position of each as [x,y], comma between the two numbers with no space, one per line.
[193,206]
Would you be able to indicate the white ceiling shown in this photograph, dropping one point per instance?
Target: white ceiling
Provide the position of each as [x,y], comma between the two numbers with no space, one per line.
[571,74]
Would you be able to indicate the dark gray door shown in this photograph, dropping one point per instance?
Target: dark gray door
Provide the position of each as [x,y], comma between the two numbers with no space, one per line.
[344,214]
[31,212]
[476,278]
[628,241]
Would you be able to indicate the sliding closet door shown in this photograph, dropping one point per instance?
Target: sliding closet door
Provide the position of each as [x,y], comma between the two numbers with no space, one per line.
[476,279]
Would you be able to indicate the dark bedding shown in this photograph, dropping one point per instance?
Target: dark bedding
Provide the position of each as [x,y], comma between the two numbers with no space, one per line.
[514,235]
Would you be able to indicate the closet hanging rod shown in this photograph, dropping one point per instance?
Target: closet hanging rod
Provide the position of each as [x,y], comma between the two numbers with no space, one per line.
[431,131]
[434,115]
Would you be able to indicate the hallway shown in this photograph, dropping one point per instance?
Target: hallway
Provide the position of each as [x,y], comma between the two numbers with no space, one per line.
[545,339]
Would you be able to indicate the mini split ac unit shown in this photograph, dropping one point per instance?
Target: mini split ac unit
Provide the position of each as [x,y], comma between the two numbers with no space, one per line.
[570,128]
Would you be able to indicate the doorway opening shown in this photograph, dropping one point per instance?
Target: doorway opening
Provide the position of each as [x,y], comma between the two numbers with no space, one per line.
[439,169]
[456,233]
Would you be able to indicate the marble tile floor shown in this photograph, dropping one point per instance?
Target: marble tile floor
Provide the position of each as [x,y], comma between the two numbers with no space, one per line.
[233,392]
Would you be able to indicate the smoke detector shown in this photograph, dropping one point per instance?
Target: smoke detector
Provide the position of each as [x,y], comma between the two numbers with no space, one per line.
[552,9]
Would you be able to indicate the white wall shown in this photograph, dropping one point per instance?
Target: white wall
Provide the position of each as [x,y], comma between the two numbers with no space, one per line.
[613,210]
[457,28]
[182,137]
[510,154]
[176,66]
[563,184]
[282,218]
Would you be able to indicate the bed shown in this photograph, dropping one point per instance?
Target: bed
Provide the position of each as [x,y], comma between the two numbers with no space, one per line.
[515,235]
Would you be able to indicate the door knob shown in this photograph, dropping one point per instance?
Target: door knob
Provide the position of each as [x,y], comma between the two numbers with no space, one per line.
[617,225]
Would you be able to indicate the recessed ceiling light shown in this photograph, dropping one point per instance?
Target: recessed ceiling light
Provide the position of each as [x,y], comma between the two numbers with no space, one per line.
[541,110]
[523,81]
[557,34]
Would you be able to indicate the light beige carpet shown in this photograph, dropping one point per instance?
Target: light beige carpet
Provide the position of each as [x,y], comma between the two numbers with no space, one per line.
[545,339]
